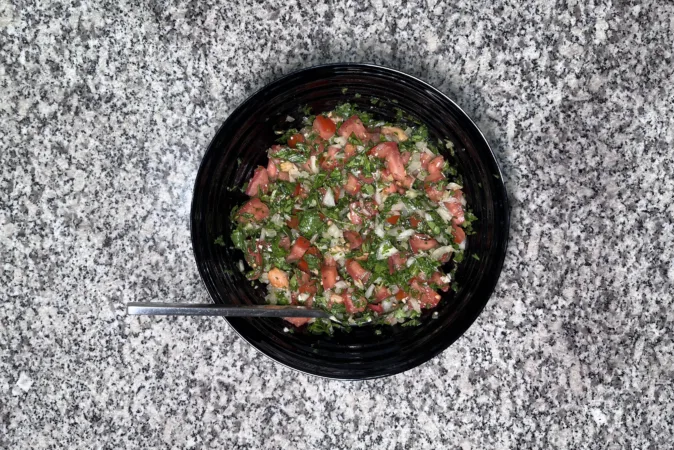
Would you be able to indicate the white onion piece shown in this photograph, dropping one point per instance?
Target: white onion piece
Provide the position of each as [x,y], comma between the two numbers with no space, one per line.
[410,261]
[406,234]
[263,233]
[386,250]
[340,140]
[398,206]
[454,186]
[341,285]
[438,252]
[379,230]
[333,231]
[462,245]
[428,217]
[414,303]
[377,198]
[312,164]
[241,266]
[445,214]
[386,305]
[329,198]
[369,291]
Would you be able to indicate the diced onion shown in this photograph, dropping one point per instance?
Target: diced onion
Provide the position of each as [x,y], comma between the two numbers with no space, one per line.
[412,193]
[369,291]
[410,261]
[329,198]
[386,305]
[341,285]
[414,303]
[398,207]
[386,250]
[340,140]
[241,266]
[405,234]
[290,119]
[302,297]
[379,230]
[444,213]
[312,164]
[334,232]
[428,217]
[438,252]
[454,186]
[462,245]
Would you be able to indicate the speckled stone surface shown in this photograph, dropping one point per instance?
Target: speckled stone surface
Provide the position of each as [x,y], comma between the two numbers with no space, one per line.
[105,112]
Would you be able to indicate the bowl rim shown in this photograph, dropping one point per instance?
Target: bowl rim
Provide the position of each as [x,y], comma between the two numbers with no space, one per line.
[506,208]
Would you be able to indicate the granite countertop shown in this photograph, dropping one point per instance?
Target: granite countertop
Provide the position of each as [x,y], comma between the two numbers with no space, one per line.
[105,113]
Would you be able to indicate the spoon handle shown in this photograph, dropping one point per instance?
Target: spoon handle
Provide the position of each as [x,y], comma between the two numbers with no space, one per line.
[208,309]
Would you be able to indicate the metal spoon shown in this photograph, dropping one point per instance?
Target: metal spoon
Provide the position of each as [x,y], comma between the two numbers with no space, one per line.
[208,309]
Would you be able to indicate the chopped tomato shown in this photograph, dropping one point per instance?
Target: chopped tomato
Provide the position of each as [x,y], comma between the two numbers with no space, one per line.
[433,177]
[393,219]
[456,210]
[259,182]
[396,262]
[425,294]
[278,278]
[294,222]
[324,127]
[436,164]
[352,185]
[313,250]
[401,295]
[284,243]
[328,276]
[459,234]
[458,194]
[356,270]
[382,293]
[383,150]
[294,139]
[329,161]
[284,176]
[254,207]
[297,321]
[422,242]
[432,193]
[353,125]
[351,308]
[436,278]
[391,189]
[298,249]
[414,221]
[254,257]
[405,157]
[376,308]
[407,182]
[425,158]
[354,217]
[272,169]
[354,239]
[349,150]
[303,265]
[298,190]
[395,165]
[308,287]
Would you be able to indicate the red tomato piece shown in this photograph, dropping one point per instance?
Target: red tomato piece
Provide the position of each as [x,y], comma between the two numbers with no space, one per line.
[328,276]
[436,278]
[394,163]
[401,294]
[356,270]
[407,182]
[255,207]
[303,265]
[433,177]
[393,219]
[354,217]
[353,125]
[294,139]
[352,185]
[458,194]
[405,157]
[425,158]
[298,249]
[354,239]
[382,293]
[414,221]
[432,193]
[376,308]
[396,262]
[349,150]
[351,308]
[383,150]
[284,243]
[324,127]
[284,176]
[456,210]
[259,182]
[422,242]
[272,169]
[294,222]
[425,294]
[459,234]
[297,321]
[436,164]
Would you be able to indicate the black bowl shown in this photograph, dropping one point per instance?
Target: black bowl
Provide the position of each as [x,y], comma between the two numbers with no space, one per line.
[240,145]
